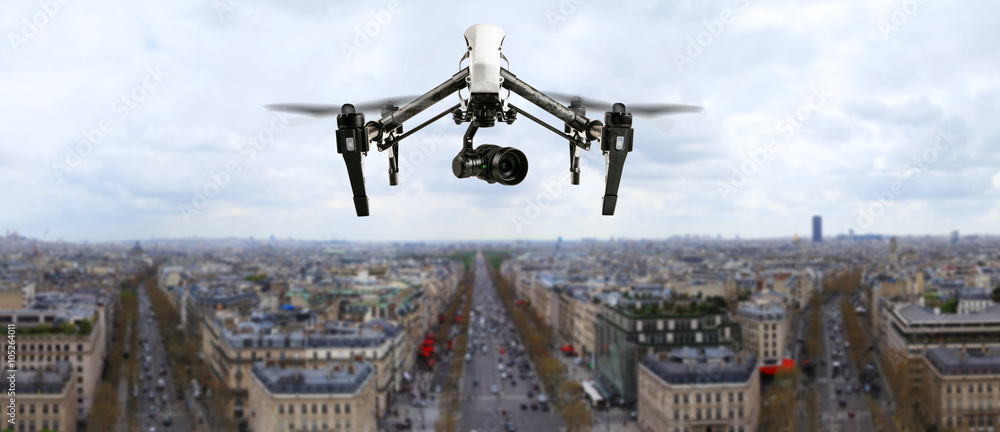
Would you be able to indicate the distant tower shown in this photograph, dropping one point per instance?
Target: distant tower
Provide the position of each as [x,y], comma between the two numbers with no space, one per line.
[893,251]
[954,237]
[817,229]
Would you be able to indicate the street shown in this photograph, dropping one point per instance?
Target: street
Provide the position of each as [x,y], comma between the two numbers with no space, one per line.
[167,414]
[490,401]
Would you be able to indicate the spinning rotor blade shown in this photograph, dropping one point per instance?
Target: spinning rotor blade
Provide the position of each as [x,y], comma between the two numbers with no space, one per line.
[648,109]
[327,110]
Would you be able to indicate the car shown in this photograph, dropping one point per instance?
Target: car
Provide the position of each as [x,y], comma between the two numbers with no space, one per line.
[503,375]
[839,390]
[513,383]
[544,406]
[151,395]
[493,389]
[166,421]
[534,407]
[152,429]
[152,410]
[524,406]
[850,413]
[842,402]
[180,394]
[475,383]
[633,414]
[531,394]
[510,427]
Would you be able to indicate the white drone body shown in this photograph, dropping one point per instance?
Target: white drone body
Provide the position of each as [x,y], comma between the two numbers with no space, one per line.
[484,51]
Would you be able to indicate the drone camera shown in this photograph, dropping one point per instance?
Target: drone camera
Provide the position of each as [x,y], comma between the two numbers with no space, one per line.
[505,165]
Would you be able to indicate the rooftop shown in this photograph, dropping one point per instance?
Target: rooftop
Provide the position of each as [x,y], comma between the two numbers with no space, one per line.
[701,366]
[950,361]
[337,379]
[44,381]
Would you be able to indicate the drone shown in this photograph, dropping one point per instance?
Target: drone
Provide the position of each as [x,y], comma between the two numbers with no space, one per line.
[486,80]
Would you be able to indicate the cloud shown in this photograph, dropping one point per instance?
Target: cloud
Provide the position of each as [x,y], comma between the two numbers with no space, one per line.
[890,96]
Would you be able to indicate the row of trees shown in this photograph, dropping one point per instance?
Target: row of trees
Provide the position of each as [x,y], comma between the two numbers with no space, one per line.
[105,409]
[538,337]
[450,401]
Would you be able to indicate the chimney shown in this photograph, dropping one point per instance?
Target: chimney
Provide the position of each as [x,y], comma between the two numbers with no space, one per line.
[937,311]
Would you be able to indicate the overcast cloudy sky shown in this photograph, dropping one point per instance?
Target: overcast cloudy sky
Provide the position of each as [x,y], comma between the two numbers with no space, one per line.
[882,116]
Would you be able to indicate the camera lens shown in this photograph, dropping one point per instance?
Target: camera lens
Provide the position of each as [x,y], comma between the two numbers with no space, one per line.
[495,164]
[505,165]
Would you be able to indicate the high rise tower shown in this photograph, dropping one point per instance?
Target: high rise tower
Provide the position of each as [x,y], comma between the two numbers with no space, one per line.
[817,229]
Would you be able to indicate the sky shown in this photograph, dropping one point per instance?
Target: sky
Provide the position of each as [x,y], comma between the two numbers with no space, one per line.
[130,120]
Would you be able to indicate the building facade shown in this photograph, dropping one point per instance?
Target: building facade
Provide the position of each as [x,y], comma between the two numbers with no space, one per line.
[339,397]
[765,322]
[46,399]
[628,329]
[698,390]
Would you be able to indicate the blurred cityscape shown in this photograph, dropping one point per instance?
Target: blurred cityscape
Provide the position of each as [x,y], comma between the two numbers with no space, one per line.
[689,333]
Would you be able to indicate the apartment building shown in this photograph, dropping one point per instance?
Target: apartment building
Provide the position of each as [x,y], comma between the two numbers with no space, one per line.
[232,345]
[339,397]
[43,340]
[963,391]
[908,331]
[627,329]
[765,325]
[698,390]
[46,398]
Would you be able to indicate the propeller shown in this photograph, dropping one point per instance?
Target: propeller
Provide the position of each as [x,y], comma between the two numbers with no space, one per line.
[647,109]
[327,110]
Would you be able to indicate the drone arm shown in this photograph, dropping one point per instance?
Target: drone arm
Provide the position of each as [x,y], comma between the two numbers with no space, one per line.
[395,119]
[564,135]
[543,101]
[395,141]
